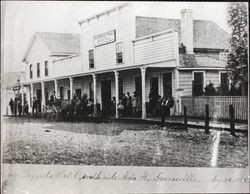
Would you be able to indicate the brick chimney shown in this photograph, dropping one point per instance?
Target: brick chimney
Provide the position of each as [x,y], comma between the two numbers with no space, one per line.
[187,30]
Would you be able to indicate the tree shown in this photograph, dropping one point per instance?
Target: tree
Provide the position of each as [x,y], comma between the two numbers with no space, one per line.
[237,60]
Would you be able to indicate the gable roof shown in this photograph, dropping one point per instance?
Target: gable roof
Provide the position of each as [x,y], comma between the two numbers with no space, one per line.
[57,43]
[61,43]
[206,35]
[11,78]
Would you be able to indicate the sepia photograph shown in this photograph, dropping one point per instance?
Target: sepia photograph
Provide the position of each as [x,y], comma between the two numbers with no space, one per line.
[124,85]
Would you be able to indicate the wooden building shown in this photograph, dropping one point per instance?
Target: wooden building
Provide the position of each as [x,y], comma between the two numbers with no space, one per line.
[119,52]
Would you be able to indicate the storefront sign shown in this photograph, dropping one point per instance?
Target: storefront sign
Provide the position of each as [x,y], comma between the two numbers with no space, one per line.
[104,38]
[16,87]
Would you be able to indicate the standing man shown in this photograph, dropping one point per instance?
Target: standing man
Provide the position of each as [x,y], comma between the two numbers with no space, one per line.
[53,96]
[163,110]
[35,104]
[129,104]
[15,106]
[124,103]
[19,107]
[11,104]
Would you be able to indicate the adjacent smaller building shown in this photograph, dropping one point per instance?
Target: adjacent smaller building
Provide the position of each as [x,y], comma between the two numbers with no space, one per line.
[11,85]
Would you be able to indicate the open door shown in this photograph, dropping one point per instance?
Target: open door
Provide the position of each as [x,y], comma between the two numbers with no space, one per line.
[106,95]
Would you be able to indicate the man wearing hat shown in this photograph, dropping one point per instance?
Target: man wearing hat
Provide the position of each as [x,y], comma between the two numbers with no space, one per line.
[129,104]
[53,96]
[35,106]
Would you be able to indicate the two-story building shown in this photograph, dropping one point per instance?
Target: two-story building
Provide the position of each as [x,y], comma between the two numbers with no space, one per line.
[121,52]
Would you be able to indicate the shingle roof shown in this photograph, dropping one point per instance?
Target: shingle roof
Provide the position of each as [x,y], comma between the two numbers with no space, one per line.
[61,43]
[207,34]
[201,60]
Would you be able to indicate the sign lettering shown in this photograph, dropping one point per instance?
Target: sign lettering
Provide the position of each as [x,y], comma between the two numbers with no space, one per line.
[104,38]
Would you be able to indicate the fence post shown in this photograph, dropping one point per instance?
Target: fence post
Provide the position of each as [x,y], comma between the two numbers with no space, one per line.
[185,118]
[207,119]
[163,112]
[232,122]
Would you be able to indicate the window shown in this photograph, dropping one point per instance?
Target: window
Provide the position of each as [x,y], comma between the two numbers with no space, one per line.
[38,69]
[91,59]
[46,68]
[198,83]
[119,56]
[224,81]
[31,72]
[61,93]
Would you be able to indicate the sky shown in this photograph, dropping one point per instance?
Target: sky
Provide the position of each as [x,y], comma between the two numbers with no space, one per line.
[20,19]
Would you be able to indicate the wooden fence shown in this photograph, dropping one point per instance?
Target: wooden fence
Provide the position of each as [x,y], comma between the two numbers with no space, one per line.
[218,106]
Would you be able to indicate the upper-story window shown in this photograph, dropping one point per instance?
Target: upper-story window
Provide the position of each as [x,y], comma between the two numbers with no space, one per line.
[31,72]
[91,59]
[46,68]
[38,69]
[119,53]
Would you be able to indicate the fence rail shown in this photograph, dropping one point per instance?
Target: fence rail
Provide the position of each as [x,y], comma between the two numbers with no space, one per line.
[218,106]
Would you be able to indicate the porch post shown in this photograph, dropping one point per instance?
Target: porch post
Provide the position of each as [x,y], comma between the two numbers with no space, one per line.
[43,96]
[71,87]
[22,90]
[116,93]
[55,82]
[177,93]
[31,98]
[95,97]
[143,77]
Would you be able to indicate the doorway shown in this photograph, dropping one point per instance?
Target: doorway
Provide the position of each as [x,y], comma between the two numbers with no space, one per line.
[39,99]
[78,93]
[106,95]
[167,87]
[138,86]
[154,86]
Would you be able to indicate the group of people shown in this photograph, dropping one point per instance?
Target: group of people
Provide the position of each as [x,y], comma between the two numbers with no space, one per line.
[127,105]
[132,105]
[159,105]
[84,105]
[17,108]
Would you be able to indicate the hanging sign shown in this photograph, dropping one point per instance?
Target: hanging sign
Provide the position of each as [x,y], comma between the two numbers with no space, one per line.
[16,88]
[104,38]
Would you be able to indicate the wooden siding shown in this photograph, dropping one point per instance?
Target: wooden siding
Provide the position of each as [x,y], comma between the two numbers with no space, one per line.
[185,82]
[218,106]
[154,49]
[212,76]
[69,66]
[65,84]
[105,55]
[38,53]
